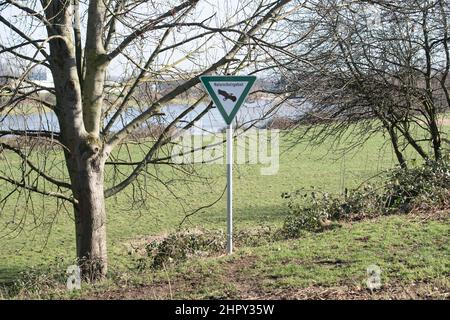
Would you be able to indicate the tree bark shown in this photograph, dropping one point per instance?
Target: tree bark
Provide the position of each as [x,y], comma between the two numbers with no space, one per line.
[394,140]
[435,137]
[86,172]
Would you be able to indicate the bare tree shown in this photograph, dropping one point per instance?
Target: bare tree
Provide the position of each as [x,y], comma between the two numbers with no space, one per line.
[381,66]
[81,43]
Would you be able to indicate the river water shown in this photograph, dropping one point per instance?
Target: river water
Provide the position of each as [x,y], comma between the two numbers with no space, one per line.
[210,122]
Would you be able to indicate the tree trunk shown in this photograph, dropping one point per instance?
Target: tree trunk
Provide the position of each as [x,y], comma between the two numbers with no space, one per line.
[79,114]
[435,138]
[90,215]
[394,140]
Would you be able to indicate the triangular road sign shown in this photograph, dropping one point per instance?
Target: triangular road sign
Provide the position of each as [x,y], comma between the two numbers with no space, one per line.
[228,93]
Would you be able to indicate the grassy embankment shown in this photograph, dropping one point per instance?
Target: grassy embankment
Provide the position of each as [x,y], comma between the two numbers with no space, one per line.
[413,252]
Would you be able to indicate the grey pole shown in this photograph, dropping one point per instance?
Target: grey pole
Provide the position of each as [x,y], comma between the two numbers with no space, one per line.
[230,189]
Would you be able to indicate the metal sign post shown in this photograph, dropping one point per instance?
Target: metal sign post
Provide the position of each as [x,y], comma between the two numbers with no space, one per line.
[230,189]
[228,94]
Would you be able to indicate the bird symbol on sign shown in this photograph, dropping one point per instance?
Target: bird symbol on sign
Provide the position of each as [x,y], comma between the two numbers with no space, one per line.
[227,95]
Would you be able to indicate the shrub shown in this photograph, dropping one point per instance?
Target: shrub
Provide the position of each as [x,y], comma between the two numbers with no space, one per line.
[280,122]
[401,191]
[308,211]
[421,187]
[180,246]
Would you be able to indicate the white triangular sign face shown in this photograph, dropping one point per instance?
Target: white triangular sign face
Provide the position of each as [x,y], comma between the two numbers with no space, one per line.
[228,92]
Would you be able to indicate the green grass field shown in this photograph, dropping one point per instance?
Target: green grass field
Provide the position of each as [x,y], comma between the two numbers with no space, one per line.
[409,250]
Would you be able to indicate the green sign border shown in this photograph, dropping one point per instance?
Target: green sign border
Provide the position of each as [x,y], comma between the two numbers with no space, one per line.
[206,83]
